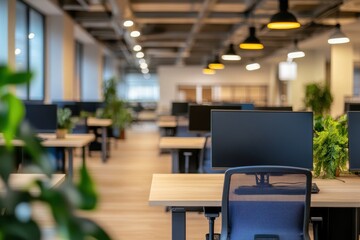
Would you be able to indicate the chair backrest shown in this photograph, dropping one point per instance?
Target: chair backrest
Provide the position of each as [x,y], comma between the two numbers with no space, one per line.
[205,157]
[266,200]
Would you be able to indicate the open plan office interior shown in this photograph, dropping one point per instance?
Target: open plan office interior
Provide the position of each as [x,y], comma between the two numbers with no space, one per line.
[173,104]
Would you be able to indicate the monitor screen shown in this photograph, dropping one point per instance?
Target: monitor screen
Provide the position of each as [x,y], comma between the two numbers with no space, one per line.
[200,116]
[179,108]
[43,118]
[244,138]
[90,106]
[352,107]
[354,140]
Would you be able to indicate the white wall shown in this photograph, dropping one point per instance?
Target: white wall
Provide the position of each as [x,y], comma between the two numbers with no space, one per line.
[311,68]
[172,76]
[60,56]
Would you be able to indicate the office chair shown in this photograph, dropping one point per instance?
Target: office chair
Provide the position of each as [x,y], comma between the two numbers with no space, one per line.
[205,157]
[266,203]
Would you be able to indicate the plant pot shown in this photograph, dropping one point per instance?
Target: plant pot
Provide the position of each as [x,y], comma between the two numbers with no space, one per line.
[61,133]
[122,134]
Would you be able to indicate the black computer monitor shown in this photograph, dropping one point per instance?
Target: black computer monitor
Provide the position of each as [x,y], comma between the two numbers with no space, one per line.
[244,138]
[354,140]
[244,106]
[179,108]
[42,117]
[200,116]
[352,107]
[90,106]
[274,108]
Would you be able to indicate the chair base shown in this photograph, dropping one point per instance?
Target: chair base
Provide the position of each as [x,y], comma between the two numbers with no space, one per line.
[216,236]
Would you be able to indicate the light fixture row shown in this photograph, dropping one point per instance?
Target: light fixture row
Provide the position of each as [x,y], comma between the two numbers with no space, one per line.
[210,70]
[144,68]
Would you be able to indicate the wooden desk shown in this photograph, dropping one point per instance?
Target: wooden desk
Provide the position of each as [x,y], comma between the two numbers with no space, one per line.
[20,180]
[70,142]
[205,190]
[167,124]
[104,124]
[174,144]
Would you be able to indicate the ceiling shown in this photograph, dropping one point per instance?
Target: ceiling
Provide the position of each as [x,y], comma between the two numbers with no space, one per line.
[190,32]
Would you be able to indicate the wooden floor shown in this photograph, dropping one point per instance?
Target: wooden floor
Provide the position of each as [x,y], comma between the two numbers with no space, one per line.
[123,184]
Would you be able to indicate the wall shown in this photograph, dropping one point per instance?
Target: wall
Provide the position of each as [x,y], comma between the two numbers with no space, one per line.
[59,57]
[342,76]
[311,68]
[171,76]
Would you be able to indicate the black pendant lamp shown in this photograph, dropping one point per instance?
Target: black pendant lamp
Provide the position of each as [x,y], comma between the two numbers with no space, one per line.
[230,54]
[283,19]
[251,42]
[216,64]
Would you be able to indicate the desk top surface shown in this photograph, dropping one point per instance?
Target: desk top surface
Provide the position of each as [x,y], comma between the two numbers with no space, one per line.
[206,190]
[21,180]
[182,142]
[99,122]
[50,140]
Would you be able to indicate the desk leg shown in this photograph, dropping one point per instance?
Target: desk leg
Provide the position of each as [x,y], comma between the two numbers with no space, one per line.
[83,149]
[103,144]
[178,223]
[175,161]
[70,168]
[338,223]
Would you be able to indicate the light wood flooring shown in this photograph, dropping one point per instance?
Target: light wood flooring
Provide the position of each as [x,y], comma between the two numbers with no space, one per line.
[124,183]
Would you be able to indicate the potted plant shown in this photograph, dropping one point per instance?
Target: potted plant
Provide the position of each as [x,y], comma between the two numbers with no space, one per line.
[115,109]
[64,122]
[318,97]
[16,221]
[330,146]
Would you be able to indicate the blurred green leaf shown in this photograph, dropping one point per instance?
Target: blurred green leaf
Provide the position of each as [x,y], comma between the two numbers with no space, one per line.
[91,229]
[7,77]
[34,148]
[13,118]
[12,229]
[87,190]
[7,164]
[4,75]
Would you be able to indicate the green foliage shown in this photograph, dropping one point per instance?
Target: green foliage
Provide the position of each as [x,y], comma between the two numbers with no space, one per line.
[318,98]
[115,109]
[64,118]
[15,220]
[330,146]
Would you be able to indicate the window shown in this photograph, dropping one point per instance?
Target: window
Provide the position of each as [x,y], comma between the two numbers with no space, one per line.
[29,50]
[137,88]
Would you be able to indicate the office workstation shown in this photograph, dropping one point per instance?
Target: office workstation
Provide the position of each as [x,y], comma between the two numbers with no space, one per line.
[157,53]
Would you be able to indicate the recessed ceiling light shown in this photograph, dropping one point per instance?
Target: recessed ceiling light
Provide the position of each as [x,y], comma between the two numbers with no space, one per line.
[137,48]
[128,23]
[135,34]
[140,54]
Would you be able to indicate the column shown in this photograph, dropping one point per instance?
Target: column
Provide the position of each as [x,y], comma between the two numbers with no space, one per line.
[342,76]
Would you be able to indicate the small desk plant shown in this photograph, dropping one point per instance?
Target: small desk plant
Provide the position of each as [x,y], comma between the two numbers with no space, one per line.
[16,220]
[64,122]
